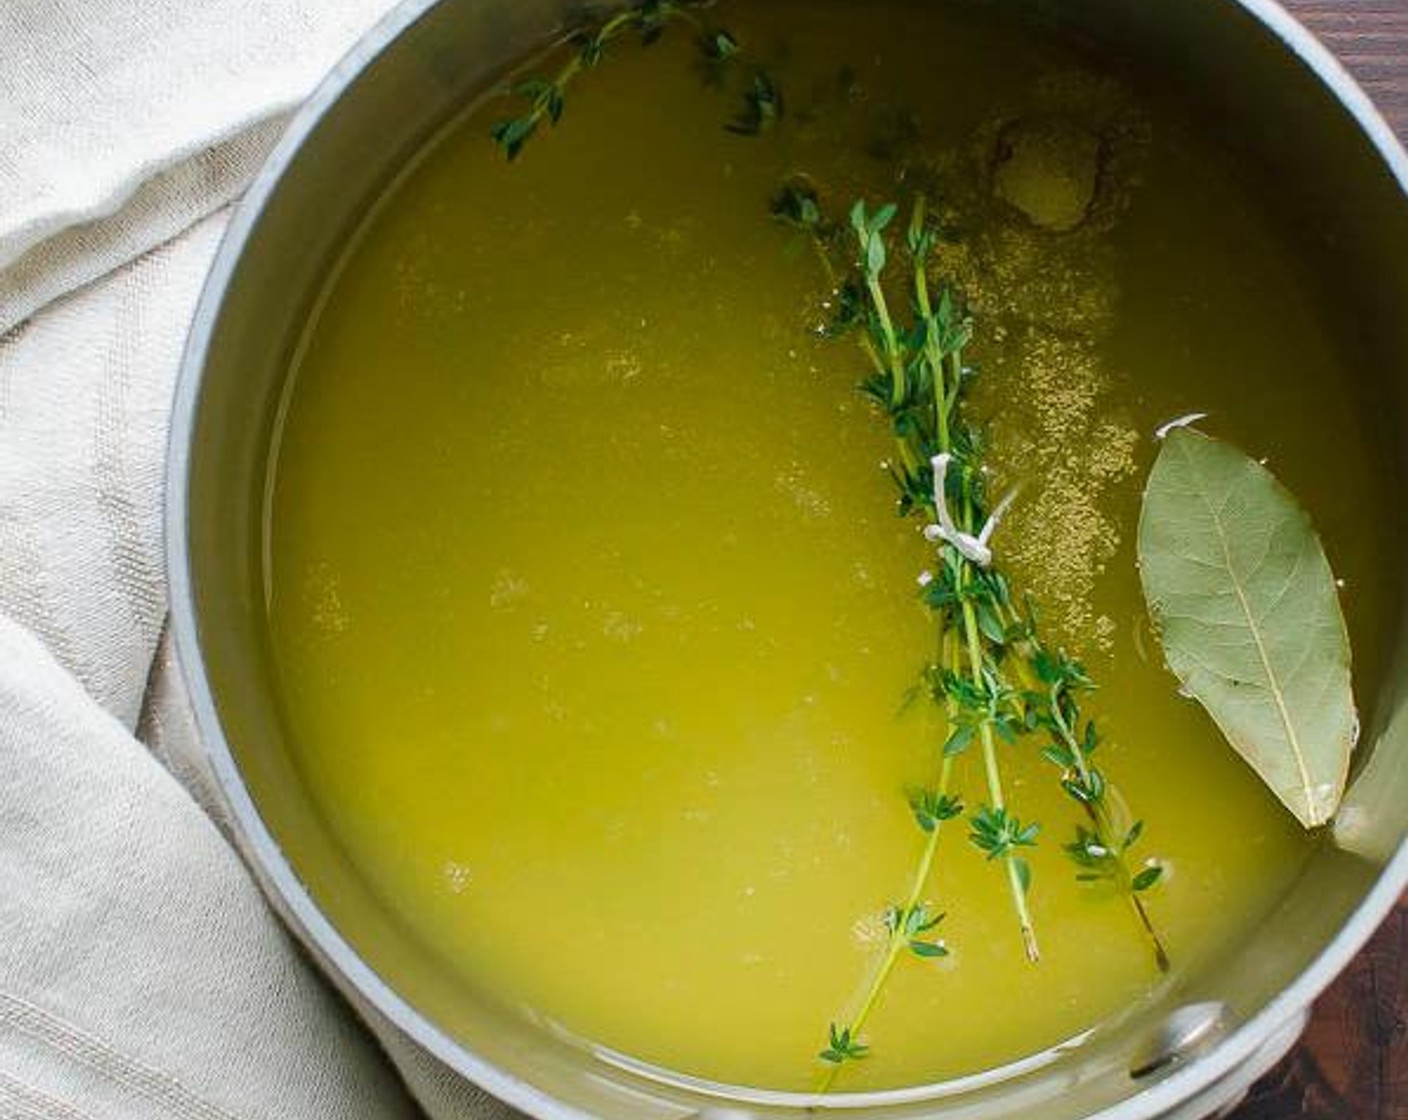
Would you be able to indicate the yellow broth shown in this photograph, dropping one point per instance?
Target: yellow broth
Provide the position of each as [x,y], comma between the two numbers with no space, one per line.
[591,614]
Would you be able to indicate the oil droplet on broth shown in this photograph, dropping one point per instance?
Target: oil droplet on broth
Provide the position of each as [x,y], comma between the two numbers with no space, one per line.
[590,612]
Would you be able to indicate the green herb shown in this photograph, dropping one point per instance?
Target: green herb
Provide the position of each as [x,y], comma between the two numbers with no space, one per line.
[910,924]
[1103,848]
[918,380]
[843,1047]
[546,96]
[997,682]
[762,106]
[1249,616]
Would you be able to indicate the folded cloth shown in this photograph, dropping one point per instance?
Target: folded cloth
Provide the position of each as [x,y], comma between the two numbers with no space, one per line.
[141,973]
[122,122]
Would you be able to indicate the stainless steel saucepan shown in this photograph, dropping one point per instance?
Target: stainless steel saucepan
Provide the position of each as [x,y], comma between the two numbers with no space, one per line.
[1341,177]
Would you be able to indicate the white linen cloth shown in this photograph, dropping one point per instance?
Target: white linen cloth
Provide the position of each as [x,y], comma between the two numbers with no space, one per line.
[142,975]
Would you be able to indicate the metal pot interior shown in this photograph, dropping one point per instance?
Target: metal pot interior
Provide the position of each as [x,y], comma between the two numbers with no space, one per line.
[1340,184]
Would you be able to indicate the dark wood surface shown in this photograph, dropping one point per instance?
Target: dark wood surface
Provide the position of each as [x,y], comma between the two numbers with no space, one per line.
[1371,38]
[1353,1062]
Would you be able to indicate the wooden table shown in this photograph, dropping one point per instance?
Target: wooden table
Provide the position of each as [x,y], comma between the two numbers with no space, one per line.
[1371,38]
[1353,1062]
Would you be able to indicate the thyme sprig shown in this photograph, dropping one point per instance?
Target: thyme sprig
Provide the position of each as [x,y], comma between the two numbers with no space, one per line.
[909,924]
[918,380]
[546,95]
[994,677]
[1101,848]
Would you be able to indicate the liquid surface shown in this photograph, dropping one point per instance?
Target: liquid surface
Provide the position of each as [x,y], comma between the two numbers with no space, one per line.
[591,613]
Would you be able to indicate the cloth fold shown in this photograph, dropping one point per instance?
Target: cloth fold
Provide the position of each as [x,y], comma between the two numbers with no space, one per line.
[142,974]
[122,122]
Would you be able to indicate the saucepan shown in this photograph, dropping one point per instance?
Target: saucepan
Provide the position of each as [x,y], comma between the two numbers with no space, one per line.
[1341,178]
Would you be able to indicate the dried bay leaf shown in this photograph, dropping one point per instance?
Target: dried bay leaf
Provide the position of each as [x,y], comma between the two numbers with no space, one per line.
[1249,617]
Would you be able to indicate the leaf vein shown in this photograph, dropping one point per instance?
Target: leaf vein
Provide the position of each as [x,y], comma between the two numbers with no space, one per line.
[1292,739]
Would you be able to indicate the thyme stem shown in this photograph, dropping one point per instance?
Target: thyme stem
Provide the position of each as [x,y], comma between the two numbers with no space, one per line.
[1016,887]
[887,333]
[898,940]
[1097,811]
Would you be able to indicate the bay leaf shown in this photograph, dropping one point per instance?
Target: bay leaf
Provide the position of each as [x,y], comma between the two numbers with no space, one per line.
[1248,613]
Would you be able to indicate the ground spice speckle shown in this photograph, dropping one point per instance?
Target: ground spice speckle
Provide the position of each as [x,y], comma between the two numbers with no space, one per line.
[1045,294]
